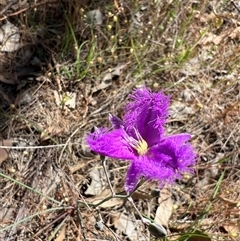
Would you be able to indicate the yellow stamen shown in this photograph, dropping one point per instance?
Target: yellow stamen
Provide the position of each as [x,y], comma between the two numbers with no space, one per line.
[140,145]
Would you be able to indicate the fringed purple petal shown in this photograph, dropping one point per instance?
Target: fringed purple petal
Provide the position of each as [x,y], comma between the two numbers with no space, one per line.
[168,160]
[152,168]
[111,144]
[147,112]
[116,122]
[131,178]
[180,139]
[175,153]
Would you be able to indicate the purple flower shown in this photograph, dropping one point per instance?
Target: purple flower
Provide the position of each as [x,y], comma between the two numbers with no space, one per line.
[140,138]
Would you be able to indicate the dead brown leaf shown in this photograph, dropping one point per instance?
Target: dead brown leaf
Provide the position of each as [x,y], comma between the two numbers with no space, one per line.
[67,99]
[205,18]
[164,210]
[49,132]
[24,98]
[98,181]
[62,234]
[9,37]
[3,2]
[218,39]
[180,227]
[8,78]
[109,76]
[4,152]
[229,202]
[127,225]
[232,228]
[235,34]
[76,167]
[211,38]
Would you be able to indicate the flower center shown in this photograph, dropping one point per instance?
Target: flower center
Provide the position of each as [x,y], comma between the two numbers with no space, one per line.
[141,147]
[139,144]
